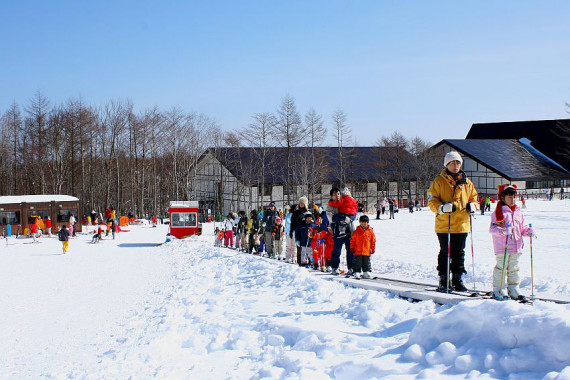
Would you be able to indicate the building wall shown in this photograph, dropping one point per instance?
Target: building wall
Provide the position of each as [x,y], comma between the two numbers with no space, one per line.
[215,186]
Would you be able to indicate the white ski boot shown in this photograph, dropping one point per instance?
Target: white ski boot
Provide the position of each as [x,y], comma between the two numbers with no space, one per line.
[515,292]
[499,294]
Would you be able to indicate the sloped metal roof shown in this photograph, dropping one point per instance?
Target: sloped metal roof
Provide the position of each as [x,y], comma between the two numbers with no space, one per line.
[361,164]
[550,137]
[508,158]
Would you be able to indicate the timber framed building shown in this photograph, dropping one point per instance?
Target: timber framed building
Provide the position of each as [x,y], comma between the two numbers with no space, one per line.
[233,179]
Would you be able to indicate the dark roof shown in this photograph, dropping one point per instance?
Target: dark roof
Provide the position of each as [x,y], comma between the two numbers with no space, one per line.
[509,158]
[551,137]
[362,164]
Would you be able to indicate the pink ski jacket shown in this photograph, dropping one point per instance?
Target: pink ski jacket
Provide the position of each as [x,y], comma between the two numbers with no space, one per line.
[515,243]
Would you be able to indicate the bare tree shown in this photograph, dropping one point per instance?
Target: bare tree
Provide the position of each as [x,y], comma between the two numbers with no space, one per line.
[12,136]
[36,125]
[399,144]
[290,135]
[424,167]
[342,135]
[259,134]
[114,123]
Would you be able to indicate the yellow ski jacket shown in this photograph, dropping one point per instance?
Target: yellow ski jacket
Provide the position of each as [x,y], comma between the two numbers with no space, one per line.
[445,189]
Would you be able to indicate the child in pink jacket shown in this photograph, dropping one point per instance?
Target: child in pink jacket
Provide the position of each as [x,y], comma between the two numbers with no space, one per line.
[507,229]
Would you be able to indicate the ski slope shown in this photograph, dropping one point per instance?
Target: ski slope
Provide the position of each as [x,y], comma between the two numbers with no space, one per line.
[131,308]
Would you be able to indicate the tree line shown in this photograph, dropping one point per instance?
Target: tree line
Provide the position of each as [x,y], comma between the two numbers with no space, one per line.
[137,162]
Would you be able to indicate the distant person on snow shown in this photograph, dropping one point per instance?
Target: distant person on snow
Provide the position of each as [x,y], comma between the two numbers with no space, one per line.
[452,197]
[33,229]
[507,229]
[228,225]
[98,236]
[47,224]
[63,236]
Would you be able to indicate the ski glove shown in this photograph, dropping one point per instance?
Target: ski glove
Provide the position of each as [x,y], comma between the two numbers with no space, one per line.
[447,208]
[471,207]
[530,232]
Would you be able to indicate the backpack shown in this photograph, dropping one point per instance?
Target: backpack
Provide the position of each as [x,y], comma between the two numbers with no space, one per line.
[61,235]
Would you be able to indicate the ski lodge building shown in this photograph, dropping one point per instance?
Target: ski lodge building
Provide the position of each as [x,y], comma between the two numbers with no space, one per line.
[17,211]
[534,155]
[232,179]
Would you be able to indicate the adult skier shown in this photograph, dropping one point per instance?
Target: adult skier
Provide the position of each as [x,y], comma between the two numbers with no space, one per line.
[452,197]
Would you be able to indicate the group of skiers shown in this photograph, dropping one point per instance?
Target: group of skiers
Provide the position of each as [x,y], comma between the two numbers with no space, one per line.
[309,236]
[315,236]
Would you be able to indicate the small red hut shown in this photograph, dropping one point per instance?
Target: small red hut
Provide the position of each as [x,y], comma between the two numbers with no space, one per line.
[184,219]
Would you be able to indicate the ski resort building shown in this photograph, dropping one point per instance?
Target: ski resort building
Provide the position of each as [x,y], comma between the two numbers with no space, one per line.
[534,155]
[232,179]
[17,212]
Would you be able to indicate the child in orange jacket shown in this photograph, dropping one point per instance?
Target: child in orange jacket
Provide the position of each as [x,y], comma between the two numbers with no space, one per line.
[362,245]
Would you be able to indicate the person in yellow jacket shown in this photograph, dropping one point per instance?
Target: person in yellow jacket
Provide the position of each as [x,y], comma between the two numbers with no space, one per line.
[452,197]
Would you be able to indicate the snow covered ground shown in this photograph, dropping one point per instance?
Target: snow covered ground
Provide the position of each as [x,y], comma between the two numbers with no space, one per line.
[130,308]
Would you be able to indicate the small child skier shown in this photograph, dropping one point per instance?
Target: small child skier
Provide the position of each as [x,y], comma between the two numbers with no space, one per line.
[252,227]
[219,237]
[98,236]
[323,242]
[278,232]
[362,245]
[303,238]
[507,229]
[260,241]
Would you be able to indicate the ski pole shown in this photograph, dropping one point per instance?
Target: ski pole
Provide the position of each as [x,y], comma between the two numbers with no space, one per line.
[531,268]
[505,257]
[472,250]
[448,251]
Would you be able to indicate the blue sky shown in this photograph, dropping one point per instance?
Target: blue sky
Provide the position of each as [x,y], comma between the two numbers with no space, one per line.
[424,68]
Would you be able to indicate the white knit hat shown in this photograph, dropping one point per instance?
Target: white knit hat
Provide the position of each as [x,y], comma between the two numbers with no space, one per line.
[346,191]
[304,201]
[452,156]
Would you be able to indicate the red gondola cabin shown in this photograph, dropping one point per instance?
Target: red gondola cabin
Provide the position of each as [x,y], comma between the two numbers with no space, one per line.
[184,219]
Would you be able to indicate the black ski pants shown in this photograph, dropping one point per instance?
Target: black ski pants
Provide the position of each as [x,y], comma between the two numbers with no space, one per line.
[457,257]
[361,262]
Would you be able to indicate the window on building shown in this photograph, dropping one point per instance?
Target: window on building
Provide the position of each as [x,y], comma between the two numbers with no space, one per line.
[184,219]
[64,214]
[267,190]
[10,217]
[360,187]
[33,214]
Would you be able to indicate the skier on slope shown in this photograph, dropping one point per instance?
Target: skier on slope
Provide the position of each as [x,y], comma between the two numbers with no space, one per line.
[507,225]
[362,245]
[268,224]
[452,197]
[297,218]
[303,238]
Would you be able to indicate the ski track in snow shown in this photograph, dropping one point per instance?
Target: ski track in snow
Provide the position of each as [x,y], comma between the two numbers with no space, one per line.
[216,335]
